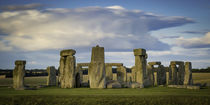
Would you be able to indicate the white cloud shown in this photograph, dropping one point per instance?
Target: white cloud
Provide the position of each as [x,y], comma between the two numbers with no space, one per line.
[197,42]
[113,27]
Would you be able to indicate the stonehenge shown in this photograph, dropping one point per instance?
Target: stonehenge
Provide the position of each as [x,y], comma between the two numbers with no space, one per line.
[18,75]
[98,74]
[67,68]
[51,78]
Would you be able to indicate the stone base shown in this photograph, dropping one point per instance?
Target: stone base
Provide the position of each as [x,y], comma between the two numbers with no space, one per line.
[137,85]
[114,84]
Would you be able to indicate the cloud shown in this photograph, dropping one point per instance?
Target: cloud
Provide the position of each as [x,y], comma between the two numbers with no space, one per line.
[201,42]
[114,27]
[195,32]
[21,7]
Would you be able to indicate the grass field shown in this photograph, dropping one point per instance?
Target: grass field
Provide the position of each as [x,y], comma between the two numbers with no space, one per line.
[87,96]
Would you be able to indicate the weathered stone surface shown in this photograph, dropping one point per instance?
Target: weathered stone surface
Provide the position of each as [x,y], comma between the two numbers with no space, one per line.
[113,84]
[83,64]
[176,62]
[114,64]
[129,77]
[180,70]
[173,75]
[18,75]
[85,78]
[51,78]
[140,65]
[133,73]
[137,85]
[161,75]
[109,74]
[139,52]
[188,74]
[167,78]
[114,76]
[150,75]
[79,76]
[181,73]
[193,87]
[154,63]
[68,52]
[20,62]
[121,74]
[97,73]
[67,70]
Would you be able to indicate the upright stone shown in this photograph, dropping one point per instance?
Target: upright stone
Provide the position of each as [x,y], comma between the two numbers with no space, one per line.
[150,74]
[162,75]
[109,74]
[140,65]
[51,79]
[18,75]
[188,74]
[67,68]
[97,73]
[121,74]
[181,73]
[133,74]
[173,75]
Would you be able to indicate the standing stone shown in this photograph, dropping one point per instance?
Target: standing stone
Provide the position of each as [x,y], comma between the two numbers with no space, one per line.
[188,74]
[121,74]
[97,73]
[67,68]
[109,74]
[51,79]
[169,76]
[133,73]
[181,73]
[150,74]
[162,75]
[18,75]
[140,65]
[173,75]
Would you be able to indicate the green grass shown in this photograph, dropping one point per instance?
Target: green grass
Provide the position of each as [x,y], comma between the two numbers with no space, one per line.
[87,96]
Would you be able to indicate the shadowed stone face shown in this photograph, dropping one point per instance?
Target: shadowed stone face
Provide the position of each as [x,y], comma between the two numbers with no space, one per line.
[51,79]
[97,74]
[18,75]
[180,70]
[67,69]
[121,74]
[188,74]
[173,75]
[140,65]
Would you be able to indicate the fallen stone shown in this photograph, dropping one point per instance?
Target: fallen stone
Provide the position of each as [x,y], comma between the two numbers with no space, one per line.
[114,84]
[137,85]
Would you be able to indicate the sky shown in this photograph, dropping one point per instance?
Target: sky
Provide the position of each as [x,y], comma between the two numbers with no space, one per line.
[170,30]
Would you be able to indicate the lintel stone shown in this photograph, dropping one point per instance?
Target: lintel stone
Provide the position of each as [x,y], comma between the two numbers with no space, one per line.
[114,64]
[154,63]
[68,52]
[176,62]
